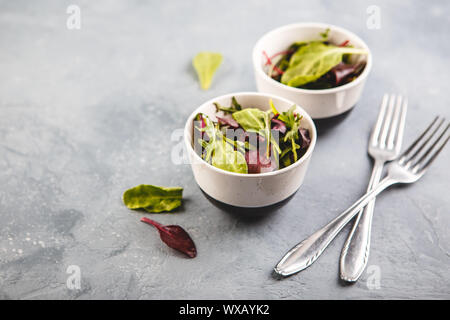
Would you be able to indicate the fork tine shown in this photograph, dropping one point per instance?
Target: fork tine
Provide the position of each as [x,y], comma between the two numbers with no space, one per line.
[395,123]
[387,121]
[428,163]
[419,166]
[412,146]
[424,143]
[376,130]
[401,127]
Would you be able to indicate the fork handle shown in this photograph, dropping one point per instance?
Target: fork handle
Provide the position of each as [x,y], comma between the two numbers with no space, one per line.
[306,252]
[355,253]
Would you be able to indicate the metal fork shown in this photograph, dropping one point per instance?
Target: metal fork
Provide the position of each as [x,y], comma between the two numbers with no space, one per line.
[409,167]
[384,145]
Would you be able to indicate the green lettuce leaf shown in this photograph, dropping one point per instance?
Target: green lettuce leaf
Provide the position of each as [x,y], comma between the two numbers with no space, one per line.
[313,60]
[206,64]
[220,151]
[251,119]
[226,158]
[153,198]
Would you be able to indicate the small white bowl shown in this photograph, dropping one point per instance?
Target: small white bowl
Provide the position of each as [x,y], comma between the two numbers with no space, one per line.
[249,190]
[322,103]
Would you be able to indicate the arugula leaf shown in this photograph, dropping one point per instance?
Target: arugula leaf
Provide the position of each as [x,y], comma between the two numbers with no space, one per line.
[313,60]
[206,64]
[324,34]
[288,117]
[153,198]
[235,106]
[292,135]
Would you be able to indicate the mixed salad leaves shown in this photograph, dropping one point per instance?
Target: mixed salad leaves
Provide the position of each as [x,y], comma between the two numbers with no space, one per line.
[315,64]
[250,140]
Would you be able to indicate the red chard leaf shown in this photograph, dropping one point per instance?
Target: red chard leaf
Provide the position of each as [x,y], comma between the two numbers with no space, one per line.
[278,125]
[257,162]
[228,121]
[342,71]
[306,139]
[175,237]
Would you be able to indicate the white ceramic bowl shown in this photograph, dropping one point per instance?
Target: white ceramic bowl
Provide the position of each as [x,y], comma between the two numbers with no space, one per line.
[318,103]
[249,190]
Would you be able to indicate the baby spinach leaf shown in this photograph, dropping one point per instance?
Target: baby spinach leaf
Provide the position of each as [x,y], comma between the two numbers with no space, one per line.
[153,198]
[206,64]
[313,60]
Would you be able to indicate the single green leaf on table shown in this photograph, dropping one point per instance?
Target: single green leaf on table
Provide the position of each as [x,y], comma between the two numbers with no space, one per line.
[206,64]
[313,60]
[153,198]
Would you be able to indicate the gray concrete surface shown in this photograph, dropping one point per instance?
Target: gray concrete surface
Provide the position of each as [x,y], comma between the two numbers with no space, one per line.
[86,114]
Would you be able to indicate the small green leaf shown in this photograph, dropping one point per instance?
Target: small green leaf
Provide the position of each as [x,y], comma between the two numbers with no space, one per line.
[206,64]
[153,198]
[324,34]
[251,119]
[313,60]
[235,106]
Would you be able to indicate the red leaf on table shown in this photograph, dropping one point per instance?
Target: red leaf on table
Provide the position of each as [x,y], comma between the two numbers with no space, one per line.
[175,237]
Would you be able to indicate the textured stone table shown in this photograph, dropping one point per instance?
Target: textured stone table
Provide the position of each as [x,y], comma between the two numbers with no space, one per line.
[86,114]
